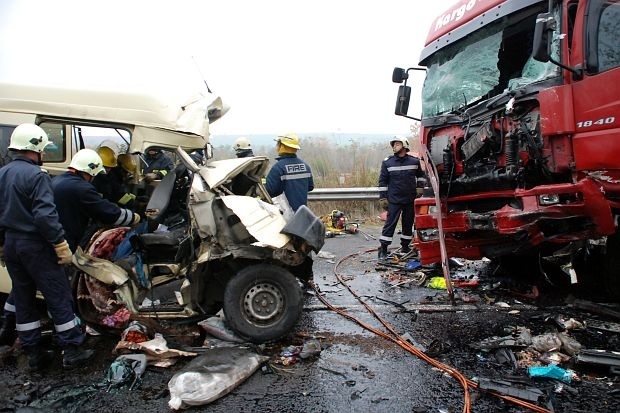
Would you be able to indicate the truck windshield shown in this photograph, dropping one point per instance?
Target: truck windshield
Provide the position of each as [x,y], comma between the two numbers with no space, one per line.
[484,64]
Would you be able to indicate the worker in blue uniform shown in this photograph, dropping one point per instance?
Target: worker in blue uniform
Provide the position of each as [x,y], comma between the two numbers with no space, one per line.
[112,185]
[243,147]
[290,174]
[35,251]
[397,191]
[79,203]
[158,164]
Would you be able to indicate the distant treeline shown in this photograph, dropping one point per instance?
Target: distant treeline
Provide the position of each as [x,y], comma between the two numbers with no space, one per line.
[352,165]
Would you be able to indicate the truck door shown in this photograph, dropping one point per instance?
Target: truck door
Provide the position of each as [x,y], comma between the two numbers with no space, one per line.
[596,97]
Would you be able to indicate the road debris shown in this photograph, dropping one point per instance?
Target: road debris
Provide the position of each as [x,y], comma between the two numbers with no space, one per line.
[212,375]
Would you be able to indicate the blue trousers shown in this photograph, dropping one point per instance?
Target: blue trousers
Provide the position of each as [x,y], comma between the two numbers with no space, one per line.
[394,212]
[33,264]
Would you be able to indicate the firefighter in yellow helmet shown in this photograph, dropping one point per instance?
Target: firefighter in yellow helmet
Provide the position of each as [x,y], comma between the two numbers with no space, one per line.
[290,175]
[112,185]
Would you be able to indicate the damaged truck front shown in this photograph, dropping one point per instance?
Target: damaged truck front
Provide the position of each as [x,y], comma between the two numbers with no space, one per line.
[521,122]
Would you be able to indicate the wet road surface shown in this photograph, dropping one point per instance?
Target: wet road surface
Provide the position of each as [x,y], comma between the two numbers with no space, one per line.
[356,370]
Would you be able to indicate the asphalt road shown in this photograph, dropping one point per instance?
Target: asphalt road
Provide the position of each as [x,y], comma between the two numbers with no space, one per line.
[356,369]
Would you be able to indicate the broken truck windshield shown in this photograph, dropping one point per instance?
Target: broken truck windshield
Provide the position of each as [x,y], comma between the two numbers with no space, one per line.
[495,58]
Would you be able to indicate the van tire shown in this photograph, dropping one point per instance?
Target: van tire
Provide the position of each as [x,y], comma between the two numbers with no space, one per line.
[262,302]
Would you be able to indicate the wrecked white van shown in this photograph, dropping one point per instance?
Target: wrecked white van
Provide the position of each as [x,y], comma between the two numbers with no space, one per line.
[211,236]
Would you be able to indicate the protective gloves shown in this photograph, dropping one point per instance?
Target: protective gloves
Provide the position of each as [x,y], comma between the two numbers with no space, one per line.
[63,252]
[150,177]
[383,203]
[136,219]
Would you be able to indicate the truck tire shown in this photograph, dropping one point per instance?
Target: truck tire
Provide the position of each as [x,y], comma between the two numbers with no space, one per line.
[262,302]
[611,275]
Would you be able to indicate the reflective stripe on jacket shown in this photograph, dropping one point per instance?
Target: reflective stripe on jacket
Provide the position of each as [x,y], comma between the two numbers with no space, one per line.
[292,176]
[397,180]
[78,201]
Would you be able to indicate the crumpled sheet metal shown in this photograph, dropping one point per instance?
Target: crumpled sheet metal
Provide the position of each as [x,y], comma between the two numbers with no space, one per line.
[100,269]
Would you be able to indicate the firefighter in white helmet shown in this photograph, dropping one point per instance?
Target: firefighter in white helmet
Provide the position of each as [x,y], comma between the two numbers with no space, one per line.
[35,250]
[79,203]
[243,147]
[397,191]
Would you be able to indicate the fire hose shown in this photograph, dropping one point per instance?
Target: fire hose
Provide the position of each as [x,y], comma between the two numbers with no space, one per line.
[403,343]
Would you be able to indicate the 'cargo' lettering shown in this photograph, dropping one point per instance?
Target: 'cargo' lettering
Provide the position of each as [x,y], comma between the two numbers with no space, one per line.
[456,14]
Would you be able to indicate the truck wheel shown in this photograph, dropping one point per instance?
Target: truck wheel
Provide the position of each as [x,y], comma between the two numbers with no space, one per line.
[611,279]
[262,302]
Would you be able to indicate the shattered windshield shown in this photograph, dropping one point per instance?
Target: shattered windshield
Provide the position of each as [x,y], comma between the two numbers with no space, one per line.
[484,64]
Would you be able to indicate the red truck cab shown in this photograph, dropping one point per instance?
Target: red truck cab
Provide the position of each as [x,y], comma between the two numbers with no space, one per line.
[521,121]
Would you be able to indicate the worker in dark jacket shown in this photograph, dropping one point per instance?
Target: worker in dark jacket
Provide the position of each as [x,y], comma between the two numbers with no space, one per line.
[158,164]
[397,191]
[290,175]
[35,251]
[78,201]
[243,147]
[112,184]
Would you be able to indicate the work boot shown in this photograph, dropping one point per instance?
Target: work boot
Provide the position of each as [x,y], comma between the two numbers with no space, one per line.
[38,359]
[74,356]
[383,253]
[8,334]
[405,249]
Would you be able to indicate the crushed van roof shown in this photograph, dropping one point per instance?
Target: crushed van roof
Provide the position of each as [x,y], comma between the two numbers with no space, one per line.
[180,115]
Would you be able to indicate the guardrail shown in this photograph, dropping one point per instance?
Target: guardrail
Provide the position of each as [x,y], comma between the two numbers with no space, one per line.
[344,194]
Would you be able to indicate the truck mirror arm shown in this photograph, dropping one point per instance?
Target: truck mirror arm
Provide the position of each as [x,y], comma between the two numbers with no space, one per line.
[404,92]
[545,25]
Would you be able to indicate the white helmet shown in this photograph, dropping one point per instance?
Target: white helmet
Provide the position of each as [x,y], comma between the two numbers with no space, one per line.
[400,139]
[242,144]
[87,160]
[29,137]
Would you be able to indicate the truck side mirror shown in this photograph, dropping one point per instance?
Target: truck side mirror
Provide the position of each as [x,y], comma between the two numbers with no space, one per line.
[402,100]
[399,75]
[541,46]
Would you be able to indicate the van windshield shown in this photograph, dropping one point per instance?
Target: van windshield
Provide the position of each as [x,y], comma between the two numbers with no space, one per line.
[484,64]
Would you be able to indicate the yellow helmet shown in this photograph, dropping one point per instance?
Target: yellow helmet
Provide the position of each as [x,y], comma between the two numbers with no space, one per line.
[290,139]
[127,162]
[107,156]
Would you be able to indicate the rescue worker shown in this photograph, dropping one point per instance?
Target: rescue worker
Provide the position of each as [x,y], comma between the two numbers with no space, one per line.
[35,250]
[158,164]
[111,184]
[290,175]
[243,147]
[397,190]
[78,202]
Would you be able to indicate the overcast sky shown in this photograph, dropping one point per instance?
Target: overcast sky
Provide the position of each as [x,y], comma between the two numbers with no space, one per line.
[303,66]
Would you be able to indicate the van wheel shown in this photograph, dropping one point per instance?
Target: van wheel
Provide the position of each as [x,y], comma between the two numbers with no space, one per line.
[262,302]
[611,279]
